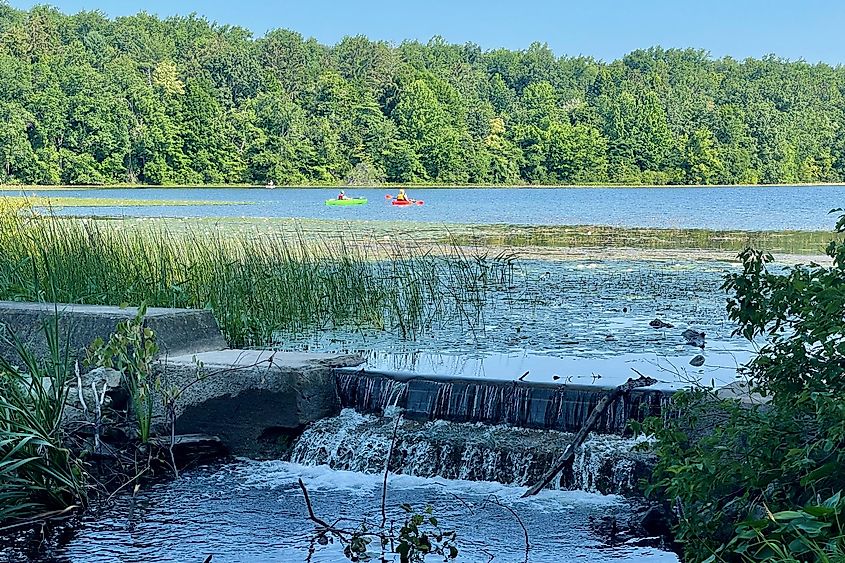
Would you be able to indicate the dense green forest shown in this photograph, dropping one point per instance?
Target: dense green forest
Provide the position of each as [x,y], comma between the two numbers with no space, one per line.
[85,99]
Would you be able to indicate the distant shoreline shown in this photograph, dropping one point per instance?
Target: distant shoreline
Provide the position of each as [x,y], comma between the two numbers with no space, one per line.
[62,187]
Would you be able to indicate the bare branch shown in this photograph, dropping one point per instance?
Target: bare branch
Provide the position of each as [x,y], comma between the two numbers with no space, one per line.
[387,469]
[498,502]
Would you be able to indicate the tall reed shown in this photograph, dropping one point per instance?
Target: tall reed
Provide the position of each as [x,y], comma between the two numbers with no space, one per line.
[256,284]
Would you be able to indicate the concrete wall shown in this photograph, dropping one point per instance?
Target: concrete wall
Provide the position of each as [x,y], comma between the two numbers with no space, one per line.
[527,404]
[178,331]
[256,401]
[253,400]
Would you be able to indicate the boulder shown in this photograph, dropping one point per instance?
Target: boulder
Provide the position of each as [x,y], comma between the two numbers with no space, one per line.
[658,324]
[693,337]
[741,391]
[697,361]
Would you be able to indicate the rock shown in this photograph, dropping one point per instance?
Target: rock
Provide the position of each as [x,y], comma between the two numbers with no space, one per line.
[742,392]
[697,361]
[693,337]
[609,338]
[657,323]
[656,520]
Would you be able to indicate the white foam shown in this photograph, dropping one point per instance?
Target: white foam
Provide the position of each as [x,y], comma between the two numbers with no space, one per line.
[283,474]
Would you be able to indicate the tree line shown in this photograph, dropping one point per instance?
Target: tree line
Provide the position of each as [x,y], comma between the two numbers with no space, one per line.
[85,99]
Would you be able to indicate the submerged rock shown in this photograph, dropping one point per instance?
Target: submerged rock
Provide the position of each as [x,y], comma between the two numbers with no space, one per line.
[189,449]
[653,520]
[657,323]
[693,337]
[697,361]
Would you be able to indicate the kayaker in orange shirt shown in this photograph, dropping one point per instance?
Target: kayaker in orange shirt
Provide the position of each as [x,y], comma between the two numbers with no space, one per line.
[401,196]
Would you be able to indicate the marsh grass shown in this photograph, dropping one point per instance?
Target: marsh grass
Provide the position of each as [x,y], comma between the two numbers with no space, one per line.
[54,202]
[787,242]
[256,284]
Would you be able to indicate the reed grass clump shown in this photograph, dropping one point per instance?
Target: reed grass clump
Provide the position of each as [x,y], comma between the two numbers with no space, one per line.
[256,284]
[39,475]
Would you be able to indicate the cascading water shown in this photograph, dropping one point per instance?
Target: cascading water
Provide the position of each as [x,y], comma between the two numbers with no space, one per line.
[526,405]
[467,451]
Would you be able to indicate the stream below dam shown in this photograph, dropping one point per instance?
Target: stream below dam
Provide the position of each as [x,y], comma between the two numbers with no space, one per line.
[471,475]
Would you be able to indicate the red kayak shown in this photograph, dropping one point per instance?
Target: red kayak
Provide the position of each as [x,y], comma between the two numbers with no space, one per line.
[407,202]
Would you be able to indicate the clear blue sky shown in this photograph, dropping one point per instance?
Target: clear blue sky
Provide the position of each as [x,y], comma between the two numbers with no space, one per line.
[606,29]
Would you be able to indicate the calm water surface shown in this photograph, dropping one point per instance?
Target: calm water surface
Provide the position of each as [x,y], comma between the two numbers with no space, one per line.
[584,321]
[724,208]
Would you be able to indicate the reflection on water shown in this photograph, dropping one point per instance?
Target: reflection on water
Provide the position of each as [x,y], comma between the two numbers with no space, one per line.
[253,512]
[571,322]
[671,372]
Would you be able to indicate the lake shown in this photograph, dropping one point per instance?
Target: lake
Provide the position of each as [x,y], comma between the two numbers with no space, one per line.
[718,208]
[571,321]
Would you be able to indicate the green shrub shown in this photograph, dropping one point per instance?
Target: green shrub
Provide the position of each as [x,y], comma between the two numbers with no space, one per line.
[131,350]
[761,482]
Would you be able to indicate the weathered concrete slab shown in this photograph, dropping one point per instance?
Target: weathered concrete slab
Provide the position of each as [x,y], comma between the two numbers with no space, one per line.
[256,401]
[178,331]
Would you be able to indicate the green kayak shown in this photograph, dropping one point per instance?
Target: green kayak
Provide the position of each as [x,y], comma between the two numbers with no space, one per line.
[350,201]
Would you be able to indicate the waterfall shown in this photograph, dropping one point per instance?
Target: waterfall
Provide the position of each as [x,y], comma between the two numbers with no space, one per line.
[523,404]
[369,394]
[470,451]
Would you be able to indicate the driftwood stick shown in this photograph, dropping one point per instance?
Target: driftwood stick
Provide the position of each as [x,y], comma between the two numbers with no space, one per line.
[598,411]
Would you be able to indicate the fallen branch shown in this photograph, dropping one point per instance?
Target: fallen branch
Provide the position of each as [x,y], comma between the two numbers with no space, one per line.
[566,459]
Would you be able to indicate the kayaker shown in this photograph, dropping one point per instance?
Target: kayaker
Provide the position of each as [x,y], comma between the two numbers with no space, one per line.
[342,195]
[401,196]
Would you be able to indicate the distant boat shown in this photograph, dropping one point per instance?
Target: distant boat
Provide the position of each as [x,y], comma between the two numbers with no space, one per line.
[270,185]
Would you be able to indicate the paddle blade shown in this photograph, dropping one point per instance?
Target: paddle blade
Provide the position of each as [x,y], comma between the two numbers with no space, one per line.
[388,196]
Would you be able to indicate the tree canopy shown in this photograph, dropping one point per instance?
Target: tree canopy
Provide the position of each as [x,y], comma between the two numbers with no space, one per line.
[85,99]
